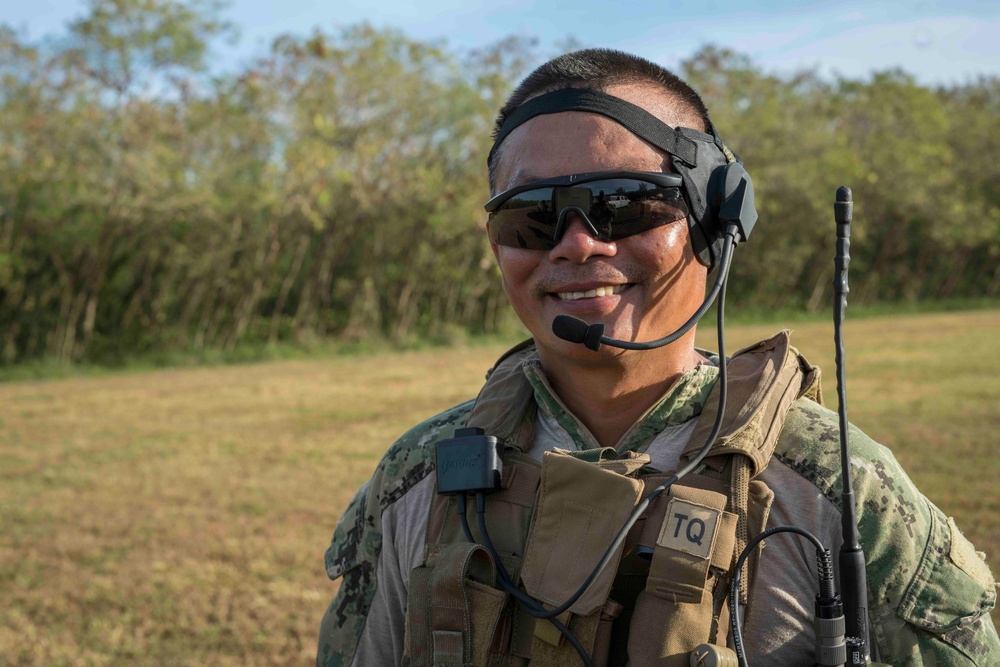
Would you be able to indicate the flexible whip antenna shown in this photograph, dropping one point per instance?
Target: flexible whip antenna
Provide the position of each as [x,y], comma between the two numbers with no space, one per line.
[853,578]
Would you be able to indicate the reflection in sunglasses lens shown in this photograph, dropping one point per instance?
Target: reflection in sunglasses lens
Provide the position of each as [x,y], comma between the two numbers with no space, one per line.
[615,208]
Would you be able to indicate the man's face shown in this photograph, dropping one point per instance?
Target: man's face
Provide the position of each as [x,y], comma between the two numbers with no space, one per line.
[651,281]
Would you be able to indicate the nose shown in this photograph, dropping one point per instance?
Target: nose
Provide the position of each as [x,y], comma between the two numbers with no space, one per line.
[577,244]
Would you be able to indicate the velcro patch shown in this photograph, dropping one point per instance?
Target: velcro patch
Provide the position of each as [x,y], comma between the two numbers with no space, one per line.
[965,556]
[689,527]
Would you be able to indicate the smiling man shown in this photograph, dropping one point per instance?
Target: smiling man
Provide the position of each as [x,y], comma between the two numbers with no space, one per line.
[640,287]
[607,178]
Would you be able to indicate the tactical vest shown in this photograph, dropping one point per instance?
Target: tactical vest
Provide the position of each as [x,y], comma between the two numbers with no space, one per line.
[666,589]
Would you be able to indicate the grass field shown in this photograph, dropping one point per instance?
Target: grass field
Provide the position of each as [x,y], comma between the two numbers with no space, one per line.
[180,517]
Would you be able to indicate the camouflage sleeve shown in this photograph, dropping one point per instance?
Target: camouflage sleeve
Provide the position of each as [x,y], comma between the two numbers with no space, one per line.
[357,541]
[353,554]
[930,591]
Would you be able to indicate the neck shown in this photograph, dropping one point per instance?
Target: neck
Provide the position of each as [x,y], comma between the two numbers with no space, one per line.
[610,392]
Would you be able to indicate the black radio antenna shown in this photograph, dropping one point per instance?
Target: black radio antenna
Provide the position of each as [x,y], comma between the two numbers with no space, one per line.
[853,578]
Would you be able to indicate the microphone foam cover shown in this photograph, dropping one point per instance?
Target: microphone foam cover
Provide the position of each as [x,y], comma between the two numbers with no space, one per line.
[569,328]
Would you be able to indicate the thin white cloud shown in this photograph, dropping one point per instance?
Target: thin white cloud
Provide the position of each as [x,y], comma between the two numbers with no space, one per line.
[934,49]
[776,39]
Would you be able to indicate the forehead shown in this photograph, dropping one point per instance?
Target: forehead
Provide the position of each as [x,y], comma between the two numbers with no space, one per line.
[574,142]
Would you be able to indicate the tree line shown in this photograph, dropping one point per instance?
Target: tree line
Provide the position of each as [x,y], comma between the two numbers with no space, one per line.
[332,188]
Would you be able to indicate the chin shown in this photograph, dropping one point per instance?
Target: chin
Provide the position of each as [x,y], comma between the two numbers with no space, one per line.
[554,347]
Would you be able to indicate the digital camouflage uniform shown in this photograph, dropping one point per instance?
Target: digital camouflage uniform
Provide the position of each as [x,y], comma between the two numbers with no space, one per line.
[930,592]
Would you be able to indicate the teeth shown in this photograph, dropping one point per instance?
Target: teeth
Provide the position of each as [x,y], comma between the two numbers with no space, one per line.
[606,290]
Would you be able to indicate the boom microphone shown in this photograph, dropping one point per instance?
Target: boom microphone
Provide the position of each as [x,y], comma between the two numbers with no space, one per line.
[576,330]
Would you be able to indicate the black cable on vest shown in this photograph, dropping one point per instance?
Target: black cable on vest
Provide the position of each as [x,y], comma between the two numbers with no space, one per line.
[463,519]
[730,241]
[825,579]
[527,601]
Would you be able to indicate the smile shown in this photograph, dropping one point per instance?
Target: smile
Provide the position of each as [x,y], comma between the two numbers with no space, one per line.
[606,290]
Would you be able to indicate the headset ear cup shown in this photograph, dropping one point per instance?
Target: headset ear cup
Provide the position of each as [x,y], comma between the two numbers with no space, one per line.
[735,200]
[730,200]
[704,245]
[718,191]
[711,228]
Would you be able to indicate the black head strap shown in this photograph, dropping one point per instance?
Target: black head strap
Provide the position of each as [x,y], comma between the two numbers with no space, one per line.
[636,119]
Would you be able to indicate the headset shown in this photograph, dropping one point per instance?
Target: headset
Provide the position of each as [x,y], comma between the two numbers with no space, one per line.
[720,198]
[716,186]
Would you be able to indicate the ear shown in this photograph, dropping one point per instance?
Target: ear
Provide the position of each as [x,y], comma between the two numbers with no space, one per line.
[495,247]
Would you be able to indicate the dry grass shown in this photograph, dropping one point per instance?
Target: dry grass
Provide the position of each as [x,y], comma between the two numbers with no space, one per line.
[179,517]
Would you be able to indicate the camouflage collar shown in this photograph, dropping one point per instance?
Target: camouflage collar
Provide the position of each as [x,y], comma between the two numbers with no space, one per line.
[682,402]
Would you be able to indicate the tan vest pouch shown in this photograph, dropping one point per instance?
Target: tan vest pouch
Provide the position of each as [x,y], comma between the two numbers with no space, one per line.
[696,537]
[453,608]
[508,516]
[581,507]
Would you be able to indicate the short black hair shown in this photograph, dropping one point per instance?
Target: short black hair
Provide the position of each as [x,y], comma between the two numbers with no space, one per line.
[597,69]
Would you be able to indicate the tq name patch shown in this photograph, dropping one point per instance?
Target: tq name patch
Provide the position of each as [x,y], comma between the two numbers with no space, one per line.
[689,527]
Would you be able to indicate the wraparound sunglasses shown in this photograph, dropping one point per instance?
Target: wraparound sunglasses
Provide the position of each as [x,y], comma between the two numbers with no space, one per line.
[612,204]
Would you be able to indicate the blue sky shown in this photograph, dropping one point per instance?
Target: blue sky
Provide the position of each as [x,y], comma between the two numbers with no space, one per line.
[937,41]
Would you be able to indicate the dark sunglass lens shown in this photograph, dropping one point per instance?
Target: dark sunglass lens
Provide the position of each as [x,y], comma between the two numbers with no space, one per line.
[616,208]
[526,220]
[657,208]
[623,207]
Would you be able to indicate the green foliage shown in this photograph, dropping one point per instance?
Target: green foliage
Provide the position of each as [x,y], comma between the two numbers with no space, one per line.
[332,189]
[919,163]
[119,41]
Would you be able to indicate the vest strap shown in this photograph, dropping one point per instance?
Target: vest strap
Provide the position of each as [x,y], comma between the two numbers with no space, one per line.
[764,380]
[507,399]
[695,535]
[739,504]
